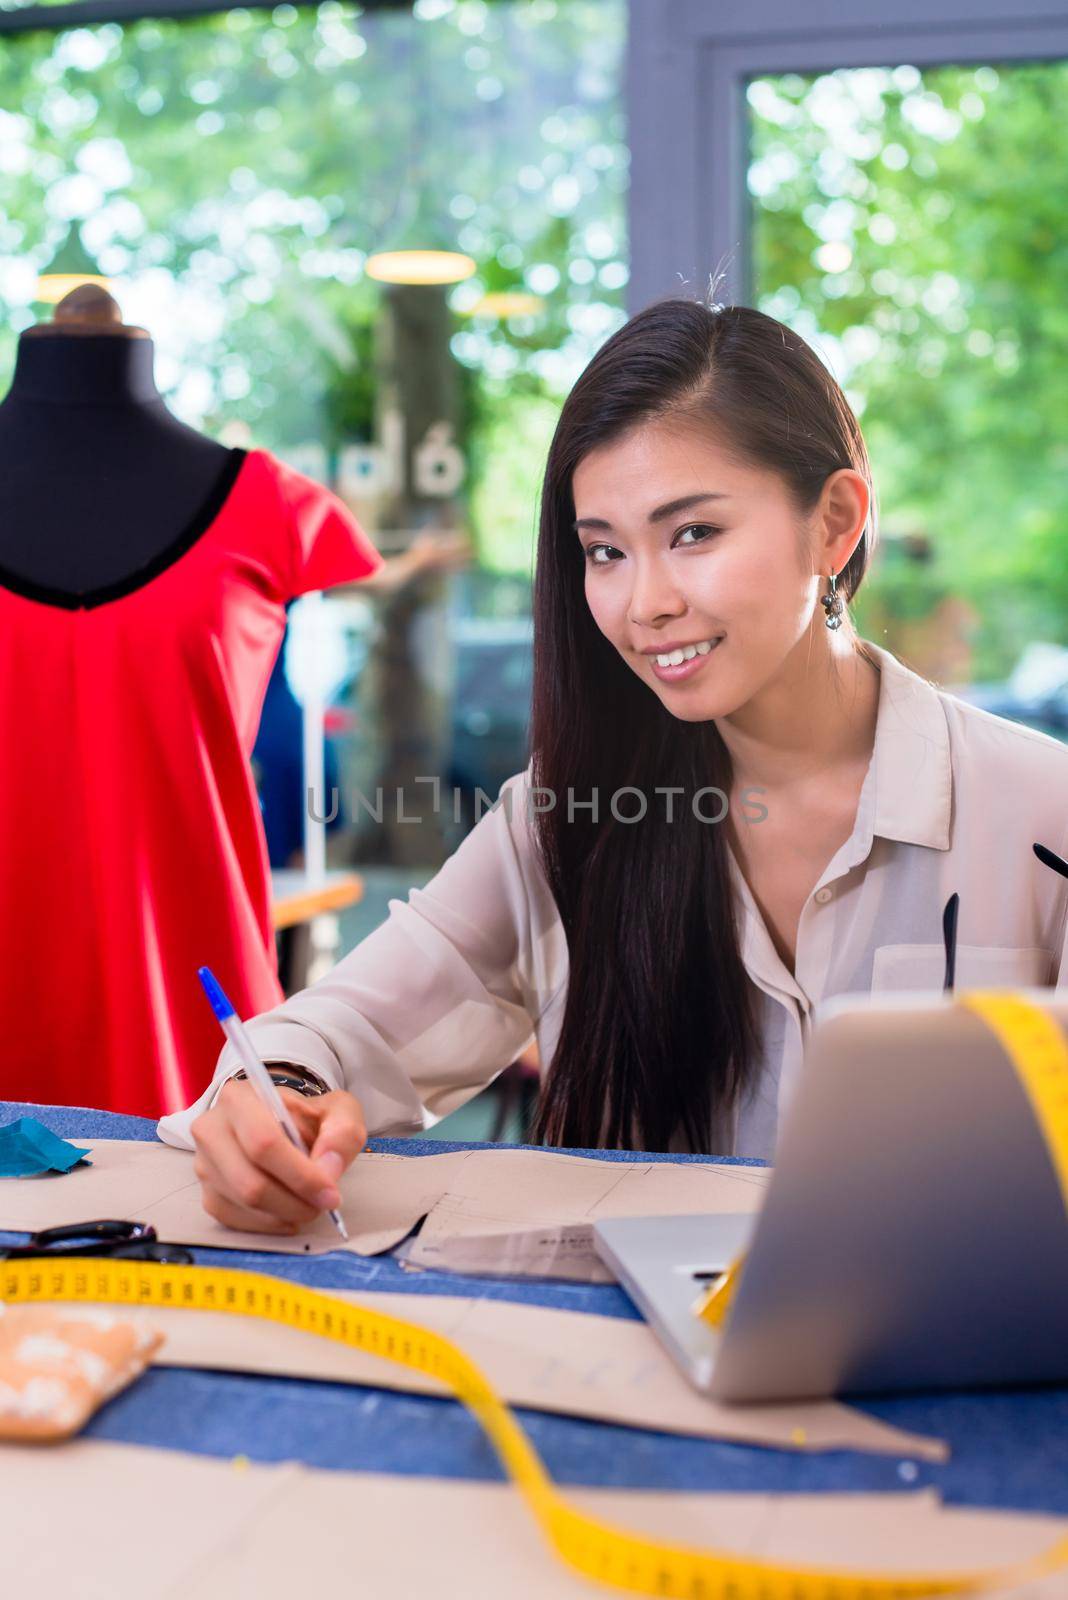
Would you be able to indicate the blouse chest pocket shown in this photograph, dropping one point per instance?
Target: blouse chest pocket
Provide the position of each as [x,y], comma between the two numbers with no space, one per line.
[922,966]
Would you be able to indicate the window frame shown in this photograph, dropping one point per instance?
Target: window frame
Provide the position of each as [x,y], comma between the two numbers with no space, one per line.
[687,70]
[89,13]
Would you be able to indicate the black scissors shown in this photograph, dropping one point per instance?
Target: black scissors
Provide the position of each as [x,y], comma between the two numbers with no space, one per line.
[127,1241]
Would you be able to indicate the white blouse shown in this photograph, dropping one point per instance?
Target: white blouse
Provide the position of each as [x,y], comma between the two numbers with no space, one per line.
[429,1008]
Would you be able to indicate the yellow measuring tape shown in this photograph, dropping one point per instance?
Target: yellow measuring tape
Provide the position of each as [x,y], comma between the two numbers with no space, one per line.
[713,1305]
[596,1549]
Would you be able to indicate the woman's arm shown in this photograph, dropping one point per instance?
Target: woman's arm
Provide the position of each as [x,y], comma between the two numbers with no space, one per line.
[446,551]
[428,1009]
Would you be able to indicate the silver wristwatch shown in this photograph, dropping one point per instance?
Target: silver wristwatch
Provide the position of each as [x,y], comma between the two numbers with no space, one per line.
[302,1079]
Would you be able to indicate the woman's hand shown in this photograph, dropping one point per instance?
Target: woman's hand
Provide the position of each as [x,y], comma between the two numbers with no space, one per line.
[446,551]
[253,1179]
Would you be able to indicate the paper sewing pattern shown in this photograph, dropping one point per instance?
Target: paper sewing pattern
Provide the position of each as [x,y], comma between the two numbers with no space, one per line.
[383,1196]
[604,1368]
[460,1194]
[475,1540]
[562,1250]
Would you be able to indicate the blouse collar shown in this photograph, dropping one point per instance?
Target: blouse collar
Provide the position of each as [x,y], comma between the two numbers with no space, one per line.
[911,773]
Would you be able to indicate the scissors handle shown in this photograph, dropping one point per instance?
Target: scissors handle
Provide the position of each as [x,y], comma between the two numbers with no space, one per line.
[128,1241]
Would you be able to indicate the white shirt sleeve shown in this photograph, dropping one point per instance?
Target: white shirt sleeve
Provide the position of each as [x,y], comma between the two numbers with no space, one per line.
[432,1005]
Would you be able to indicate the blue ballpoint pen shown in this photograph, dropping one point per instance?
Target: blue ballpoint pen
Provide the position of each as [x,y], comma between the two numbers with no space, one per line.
[257,1073]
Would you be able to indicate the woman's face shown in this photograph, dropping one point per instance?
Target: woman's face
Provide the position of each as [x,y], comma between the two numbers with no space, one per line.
[688,550]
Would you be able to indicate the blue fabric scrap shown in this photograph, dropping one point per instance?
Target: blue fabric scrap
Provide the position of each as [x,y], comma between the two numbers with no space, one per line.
[27,1147]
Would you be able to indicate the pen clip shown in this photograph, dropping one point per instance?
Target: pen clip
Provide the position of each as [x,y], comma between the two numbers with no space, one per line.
[949,941]
[1050,858]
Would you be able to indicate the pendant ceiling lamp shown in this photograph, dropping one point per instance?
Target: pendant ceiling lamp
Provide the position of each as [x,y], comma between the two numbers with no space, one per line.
[420,266]
[416,257]
[508,303]
[70,266]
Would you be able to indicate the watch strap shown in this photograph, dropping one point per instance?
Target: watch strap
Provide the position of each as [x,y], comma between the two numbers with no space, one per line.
[300,1079]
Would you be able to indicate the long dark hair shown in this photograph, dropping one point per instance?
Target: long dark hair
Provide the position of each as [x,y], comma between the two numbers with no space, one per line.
[659,1031]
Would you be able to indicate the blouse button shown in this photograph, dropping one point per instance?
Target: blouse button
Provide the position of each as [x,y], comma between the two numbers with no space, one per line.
[822,896]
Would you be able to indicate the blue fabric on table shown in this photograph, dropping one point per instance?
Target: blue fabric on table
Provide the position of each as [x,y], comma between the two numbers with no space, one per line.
[28,1148]
[1007,1446]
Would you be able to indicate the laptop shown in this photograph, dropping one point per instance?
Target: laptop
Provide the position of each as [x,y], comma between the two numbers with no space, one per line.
[913,1234]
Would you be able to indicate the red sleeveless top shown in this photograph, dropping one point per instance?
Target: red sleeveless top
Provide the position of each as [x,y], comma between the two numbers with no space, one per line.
[131,846]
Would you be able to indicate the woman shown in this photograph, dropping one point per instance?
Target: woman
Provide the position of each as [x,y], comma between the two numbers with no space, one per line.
[735,808]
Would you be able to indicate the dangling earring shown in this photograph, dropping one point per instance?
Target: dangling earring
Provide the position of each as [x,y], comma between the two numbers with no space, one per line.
[831,603]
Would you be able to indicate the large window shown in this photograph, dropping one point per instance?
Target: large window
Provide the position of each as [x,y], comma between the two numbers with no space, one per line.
[231,174]
[911,224]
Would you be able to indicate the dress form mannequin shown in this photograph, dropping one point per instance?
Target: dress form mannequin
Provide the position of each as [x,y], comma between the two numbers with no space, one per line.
[97,478]
[144,575]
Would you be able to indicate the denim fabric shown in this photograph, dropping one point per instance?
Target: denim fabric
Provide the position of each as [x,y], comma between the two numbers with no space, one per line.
[1007,1447]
